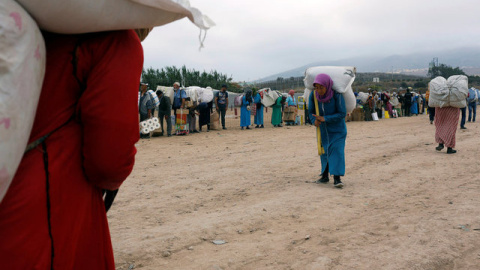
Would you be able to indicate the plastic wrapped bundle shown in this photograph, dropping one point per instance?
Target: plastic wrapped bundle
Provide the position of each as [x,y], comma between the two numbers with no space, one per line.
[448,93]
[342,78]
[269,97]
[86,16]
[22,68]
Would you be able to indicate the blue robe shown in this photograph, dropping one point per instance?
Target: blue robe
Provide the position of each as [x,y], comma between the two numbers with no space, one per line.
[259,115]
[245,120]
[333,130]
[414,107]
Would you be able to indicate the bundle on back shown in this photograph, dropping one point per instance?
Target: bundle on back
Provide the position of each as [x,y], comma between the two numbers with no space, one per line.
[448,93]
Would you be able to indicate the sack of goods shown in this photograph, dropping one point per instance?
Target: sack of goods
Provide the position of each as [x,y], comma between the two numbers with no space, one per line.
[394,101]
[167,91]
[86,16]
[22,65]
[362,97]
[149,125]
[269,97]
[342,78]
[358,114]
[205,94]
[289,114]
[154,97]
[448,93]
[238,101]
[214,121]
[192,93]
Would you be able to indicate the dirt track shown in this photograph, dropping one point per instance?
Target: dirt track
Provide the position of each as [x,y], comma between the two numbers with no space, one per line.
[405,206]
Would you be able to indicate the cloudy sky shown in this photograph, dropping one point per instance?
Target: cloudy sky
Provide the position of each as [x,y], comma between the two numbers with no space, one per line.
[257,38]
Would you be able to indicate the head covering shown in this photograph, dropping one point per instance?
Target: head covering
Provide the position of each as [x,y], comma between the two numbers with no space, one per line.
[224,85]
[177,83]
[143,83]
[326,81]
[291,92]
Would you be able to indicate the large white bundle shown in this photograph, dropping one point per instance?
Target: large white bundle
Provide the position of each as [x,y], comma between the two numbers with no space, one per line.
[394,101]
[192,92]
[362,96]
[342,78]
[22,68]
[85,16]
[205,94]
[269,96]
[167,91]
[306,96]
[448,93]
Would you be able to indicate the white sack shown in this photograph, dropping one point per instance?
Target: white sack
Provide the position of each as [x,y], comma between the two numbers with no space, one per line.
[269,97]
[342,78]
[362,97]
[306,96]
[192,92]
[85,16]
[394,101]
[167,91]
[205,94]
[448,93]
[22,68]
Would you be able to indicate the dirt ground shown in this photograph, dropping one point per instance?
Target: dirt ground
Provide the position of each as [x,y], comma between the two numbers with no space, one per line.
[404,205]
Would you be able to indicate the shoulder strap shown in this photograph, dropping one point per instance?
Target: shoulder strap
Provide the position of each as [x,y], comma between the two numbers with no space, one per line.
[321,151]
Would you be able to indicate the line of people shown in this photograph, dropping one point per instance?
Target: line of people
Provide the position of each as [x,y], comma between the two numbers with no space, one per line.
[150,101]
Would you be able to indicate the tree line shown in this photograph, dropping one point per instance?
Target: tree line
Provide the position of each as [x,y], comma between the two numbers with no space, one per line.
[187,77]
[447,71]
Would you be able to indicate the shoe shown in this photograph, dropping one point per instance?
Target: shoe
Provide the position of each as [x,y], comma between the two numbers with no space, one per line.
[242,128]
[322,180]
[208,130]
[224,128]
[280,125]
[261,126]
[248,128]
[451,151]
[196,131]
[431,122]
[338,183]
[439,147]
[469,121]
[169,135]
[256,126]
[463,128]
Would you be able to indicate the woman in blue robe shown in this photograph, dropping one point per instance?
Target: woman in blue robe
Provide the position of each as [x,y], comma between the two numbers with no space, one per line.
[414,107]
[259,114]
[245,120]
[331,120]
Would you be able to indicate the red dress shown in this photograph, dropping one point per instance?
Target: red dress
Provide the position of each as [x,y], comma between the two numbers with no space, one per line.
[68,225]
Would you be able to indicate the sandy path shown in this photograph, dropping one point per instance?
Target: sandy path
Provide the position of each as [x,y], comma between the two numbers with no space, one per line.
[405,206]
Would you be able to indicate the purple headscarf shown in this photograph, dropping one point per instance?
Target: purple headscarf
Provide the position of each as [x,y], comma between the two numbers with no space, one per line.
[325,80]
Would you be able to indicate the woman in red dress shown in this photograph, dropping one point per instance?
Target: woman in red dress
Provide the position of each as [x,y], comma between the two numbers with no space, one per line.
[53,215]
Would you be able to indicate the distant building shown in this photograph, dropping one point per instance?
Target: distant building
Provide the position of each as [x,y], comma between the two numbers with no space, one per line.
[376,79]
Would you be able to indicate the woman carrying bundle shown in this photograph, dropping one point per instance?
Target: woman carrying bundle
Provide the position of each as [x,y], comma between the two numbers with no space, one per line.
[446,121]
[327,111]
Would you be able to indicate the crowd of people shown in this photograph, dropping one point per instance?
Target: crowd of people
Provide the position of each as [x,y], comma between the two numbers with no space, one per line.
[150,102]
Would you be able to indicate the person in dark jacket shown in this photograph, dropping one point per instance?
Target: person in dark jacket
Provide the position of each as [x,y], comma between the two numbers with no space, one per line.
[164,111]
[407,100]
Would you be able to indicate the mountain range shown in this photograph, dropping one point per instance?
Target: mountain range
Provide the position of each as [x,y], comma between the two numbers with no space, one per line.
[411,64]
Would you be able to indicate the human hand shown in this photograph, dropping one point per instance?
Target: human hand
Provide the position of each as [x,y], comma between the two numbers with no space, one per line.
[317,123]
[319,118]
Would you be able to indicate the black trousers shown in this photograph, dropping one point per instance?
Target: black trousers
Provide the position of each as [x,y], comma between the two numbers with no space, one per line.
[431,113]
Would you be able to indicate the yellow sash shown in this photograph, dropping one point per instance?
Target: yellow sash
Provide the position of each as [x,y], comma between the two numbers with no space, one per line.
[321,151]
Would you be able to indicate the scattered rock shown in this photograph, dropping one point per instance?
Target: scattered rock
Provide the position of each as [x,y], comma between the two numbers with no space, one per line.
[265,210]
[131,266]
[219,242]
[307,237]
[239,231]
[450,202]
[190,248]
[166,254]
